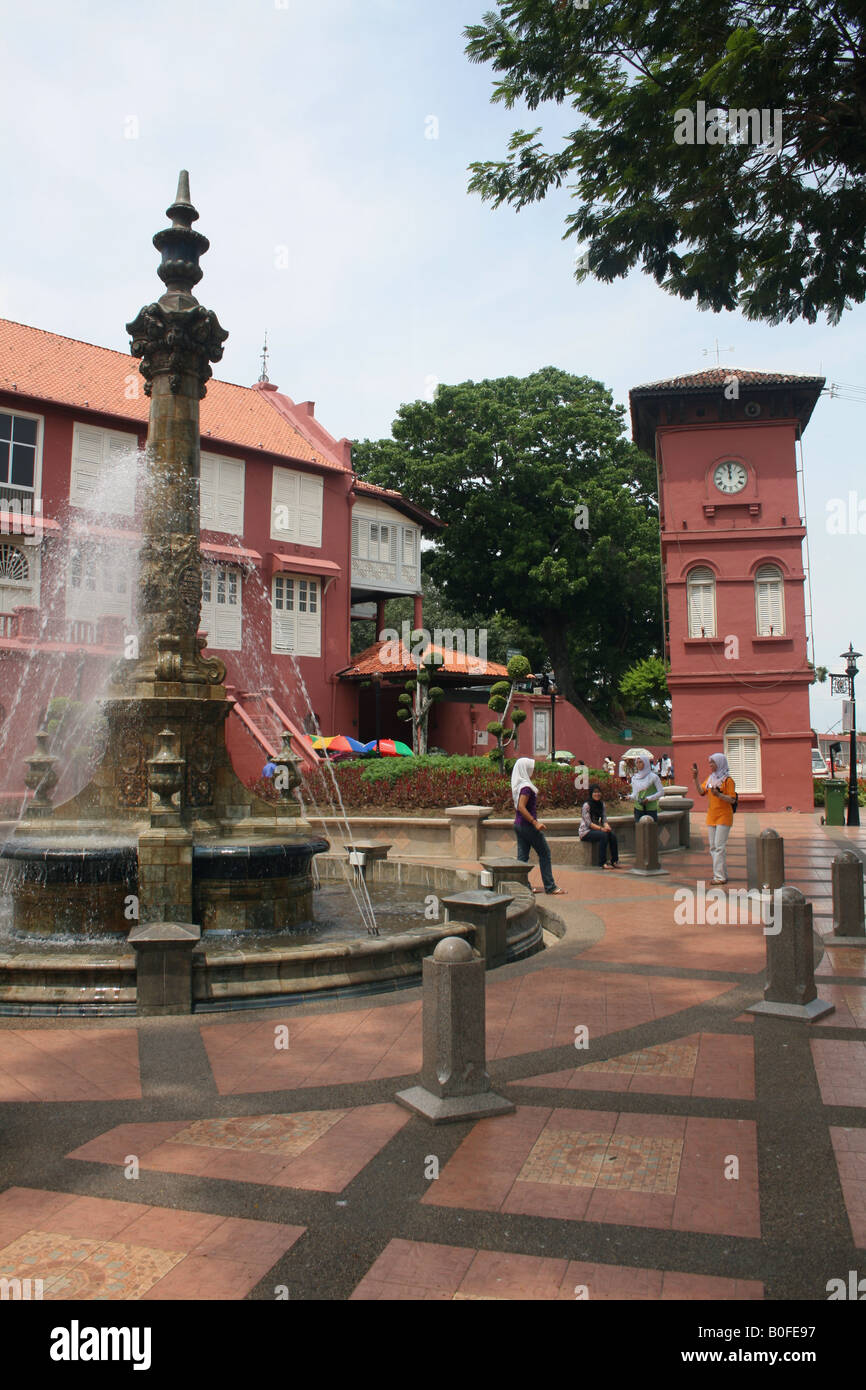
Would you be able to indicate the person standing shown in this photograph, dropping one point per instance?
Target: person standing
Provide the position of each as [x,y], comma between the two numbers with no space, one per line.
[719,786]
[594,827]
[527,827]
[667,768]
[646,790]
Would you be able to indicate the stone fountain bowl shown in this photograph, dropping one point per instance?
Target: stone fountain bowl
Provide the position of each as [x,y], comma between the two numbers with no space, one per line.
[89,885]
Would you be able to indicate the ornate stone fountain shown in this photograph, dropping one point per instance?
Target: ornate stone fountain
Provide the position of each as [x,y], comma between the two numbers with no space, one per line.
[165,831]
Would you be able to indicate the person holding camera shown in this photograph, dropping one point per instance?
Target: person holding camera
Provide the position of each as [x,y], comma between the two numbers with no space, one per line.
[719,787]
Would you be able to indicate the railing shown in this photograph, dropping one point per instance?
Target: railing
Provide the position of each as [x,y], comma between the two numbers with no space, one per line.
[82,634]
[8,624]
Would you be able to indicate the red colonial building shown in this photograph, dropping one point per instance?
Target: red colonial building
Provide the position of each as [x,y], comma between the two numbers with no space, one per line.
[294,548]
[732,531]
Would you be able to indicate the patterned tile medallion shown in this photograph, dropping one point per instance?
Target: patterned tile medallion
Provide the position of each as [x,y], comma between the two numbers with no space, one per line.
[670,1059]
[74,1268]
[649,1164]
[276,1134]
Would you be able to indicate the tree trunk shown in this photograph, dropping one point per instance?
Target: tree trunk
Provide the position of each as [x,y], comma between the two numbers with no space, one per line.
[556,643]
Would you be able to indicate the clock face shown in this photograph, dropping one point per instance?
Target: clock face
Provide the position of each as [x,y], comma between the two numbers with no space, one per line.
[730,477]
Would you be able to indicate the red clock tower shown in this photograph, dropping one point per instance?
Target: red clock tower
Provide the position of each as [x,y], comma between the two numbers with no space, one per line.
[732,535]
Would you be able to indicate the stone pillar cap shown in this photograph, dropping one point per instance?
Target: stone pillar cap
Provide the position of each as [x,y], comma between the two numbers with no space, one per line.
[453,950]
[477,811]
[769,834]
[156,932]
[478,897]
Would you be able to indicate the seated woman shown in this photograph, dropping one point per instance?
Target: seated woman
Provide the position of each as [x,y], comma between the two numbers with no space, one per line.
[646,790]
[594,827]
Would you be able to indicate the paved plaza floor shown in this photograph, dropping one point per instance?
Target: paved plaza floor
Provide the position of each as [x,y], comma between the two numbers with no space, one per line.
[666,1145]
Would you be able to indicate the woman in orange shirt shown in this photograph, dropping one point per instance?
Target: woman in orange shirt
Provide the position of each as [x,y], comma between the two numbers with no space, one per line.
[719,786]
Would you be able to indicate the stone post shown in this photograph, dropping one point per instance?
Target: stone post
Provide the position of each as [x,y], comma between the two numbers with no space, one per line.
[848,914]
[505,870]
[454,1080]
[467,833]
[646,848]
[487,913]
[676,799]
[163,964]
[790,989]
[165,875]
[770,859]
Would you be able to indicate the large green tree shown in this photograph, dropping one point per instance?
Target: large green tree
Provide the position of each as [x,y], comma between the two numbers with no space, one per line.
[550,517]
[775,229]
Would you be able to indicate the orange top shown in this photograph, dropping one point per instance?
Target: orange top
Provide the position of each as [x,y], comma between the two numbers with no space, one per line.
[719,812]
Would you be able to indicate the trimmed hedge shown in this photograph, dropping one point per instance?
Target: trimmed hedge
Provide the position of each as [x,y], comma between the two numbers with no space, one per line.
[433,782]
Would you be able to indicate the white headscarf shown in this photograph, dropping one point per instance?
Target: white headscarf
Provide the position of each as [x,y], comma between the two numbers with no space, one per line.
[720,763]
[521,776]
[643,777]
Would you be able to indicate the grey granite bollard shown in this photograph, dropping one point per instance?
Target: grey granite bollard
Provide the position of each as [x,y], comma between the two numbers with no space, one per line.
[454,1080]
[488,913]
[771,859]
[848,913]
[646,848]
[506,870]
[163,965]
[790,989]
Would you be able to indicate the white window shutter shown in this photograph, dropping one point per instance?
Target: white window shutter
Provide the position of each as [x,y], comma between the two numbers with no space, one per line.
[226,633]
[309,634]
[355,529]
[701,603]
[230,497]
[208,492]
[393,551]
[86,466]
[285,494]
[118,449]
[310,508]
[283,631]
[770,602]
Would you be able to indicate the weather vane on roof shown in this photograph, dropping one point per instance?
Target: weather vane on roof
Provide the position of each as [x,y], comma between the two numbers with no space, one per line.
[264,375]
[705,352]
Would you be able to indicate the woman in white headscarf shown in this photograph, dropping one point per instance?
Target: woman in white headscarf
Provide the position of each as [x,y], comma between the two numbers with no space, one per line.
[527,827]
[719,787]
[646,789]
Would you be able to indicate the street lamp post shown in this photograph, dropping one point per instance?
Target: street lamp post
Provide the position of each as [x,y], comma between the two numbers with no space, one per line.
[850,657]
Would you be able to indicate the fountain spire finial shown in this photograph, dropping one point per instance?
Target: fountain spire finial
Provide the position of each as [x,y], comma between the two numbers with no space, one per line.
[181,211]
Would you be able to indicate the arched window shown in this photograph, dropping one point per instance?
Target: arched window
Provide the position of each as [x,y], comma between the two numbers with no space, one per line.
[701,590]
[743,752]
[769,601]
[15,578]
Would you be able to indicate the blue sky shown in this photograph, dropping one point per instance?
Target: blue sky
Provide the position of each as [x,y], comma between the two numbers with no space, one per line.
[341,228]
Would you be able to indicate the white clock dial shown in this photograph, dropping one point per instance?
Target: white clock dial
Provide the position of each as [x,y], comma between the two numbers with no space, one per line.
[730,477]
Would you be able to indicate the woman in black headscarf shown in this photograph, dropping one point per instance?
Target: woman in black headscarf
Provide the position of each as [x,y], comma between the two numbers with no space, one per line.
[594,827]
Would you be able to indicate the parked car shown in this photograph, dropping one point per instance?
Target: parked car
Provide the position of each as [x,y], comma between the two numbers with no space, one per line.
[819,766]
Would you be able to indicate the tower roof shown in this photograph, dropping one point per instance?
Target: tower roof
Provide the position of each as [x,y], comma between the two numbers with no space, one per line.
[674,400]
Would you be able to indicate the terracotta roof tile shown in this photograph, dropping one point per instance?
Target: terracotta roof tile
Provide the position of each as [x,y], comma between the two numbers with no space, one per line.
[50,367]
[719,376]
[370,663]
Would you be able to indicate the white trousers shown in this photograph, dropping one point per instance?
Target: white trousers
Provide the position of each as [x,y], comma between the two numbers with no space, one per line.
[717,836]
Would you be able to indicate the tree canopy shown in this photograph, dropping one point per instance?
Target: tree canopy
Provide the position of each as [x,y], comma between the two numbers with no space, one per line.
[775,229]
[550,515]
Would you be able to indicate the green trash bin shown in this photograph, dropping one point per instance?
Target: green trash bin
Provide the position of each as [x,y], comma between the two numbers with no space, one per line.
[835,799]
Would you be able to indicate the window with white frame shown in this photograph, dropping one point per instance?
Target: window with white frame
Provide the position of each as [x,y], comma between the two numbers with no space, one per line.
[221,494]
[743,752]
[296,507]
[541,731]
[18,576]
[374,540]
[19,454]
[769,601]
[98,582]
[701,598]
[222,607]
[104,470]
[296,617]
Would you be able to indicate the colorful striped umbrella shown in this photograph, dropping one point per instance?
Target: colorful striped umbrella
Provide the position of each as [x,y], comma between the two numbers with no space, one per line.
[389,748]
[337,744]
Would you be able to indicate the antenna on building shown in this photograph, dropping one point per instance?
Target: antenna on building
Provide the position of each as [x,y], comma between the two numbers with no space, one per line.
[264,376]
[705,352]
